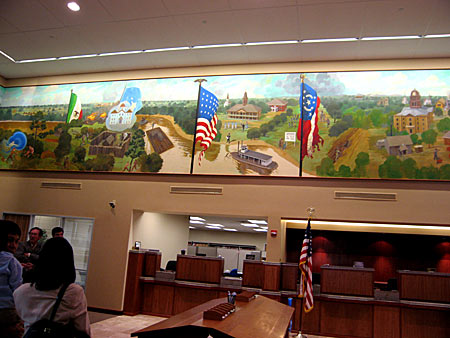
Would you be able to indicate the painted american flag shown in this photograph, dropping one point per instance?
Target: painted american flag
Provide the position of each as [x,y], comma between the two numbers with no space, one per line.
[305,265]
[207,120]
[309,117]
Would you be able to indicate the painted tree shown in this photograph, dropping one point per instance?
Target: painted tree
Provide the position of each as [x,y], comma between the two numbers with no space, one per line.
[38,122]
[136,147]
[429,137]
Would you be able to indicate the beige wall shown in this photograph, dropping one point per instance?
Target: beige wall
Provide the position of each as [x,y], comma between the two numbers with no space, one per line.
[167,233]
[242,238]
[260,197]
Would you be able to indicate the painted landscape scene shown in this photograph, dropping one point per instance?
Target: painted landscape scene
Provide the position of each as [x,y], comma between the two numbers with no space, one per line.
[378,124]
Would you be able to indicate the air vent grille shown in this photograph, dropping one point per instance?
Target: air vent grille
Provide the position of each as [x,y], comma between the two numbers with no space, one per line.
[196,190]
[371,196]
[61,185]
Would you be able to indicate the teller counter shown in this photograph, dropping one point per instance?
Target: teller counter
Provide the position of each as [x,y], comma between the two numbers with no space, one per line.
[197,280]
[346,307]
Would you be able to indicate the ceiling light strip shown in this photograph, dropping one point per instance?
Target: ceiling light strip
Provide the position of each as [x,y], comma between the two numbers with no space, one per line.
[260,43]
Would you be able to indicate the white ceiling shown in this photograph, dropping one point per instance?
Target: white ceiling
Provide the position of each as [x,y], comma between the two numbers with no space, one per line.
[31,29]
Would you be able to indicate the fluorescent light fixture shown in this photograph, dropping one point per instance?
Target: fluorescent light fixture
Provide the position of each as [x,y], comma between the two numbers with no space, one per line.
[215,224]
[7,56]
[228,229]
[260,230]
[191,227]
[257,221]
[270,43]
[73,6]
[193,218]
[431,36]
[250,225]
[195,222]
[218,45]
[36,60]
[121,53]
[77,56]
[404,37]
[265,228]
[213,227]
[165,49]
[328,40]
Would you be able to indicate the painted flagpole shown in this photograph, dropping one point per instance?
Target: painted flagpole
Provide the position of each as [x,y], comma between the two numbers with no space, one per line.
[68,106]
[196,119]
[302,77]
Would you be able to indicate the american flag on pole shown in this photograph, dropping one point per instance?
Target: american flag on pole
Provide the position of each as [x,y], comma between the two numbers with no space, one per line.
[305,265]
[207,120]
[309,104]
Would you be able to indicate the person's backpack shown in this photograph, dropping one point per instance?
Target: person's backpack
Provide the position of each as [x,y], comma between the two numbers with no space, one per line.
[47,328]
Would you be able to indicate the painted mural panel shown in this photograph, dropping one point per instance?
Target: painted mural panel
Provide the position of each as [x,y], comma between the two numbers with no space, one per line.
[379,124]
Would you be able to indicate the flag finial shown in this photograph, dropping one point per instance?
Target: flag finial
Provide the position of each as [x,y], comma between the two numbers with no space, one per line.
[310,211]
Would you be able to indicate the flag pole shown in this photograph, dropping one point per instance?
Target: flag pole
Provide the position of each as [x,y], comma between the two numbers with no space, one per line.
[310,212]
[302,77]
[68,106]
[196,119]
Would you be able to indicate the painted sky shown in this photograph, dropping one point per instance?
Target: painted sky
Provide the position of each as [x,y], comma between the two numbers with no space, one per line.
[427,82]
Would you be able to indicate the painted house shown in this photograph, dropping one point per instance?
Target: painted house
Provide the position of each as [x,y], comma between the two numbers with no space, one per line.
[255,157]
[414,119]
[277,105]
[447,138]
[244,110]
[398,145]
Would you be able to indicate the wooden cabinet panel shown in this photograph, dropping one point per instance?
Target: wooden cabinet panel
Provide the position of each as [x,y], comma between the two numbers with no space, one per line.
[346,281]
[186,298]
[253,274]
[289,276]
[427,286]
[310,320]
[131,305]
[199,269]
[152,263]
[346,319]
[272,272]
[386,322]
[420,323]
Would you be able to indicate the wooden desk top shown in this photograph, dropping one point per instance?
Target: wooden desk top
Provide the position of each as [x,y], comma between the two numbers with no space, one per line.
[261,317]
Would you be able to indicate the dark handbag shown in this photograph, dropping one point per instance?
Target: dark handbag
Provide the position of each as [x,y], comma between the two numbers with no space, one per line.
[47,328]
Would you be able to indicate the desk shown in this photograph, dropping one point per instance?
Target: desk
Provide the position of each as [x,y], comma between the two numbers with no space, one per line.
[260,317]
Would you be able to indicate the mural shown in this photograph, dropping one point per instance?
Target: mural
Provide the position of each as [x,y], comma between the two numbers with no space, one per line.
[378,124]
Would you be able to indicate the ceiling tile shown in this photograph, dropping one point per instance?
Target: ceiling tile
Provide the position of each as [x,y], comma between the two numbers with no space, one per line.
[173,59]
[28,15]
[6,27]
[91,12]
[176,7]
[330,20]
[328,51]
[274,53]
[267,24]
[387,49]
[215,28]
[439,22]
[134,9]
[401,17]
[218,56]
[16,45]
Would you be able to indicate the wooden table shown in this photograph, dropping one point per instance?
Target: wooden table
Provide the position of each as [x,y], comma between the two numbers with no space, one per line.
[261,317]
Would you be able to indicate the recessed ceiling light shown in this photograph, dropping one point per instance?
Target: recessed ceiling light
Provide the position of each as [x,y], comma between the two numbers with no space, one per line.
[194,218]
[213,227]
[73,6]
[250,225]
[257,221]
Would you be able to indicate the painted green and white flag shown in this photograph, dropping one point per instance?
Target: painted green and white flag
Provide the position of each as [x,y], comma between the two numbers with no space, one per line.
[75,112]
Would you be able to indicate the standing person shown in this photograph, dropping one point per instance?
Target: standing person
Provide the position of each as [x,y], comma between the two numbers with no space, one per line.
[27,253]
[55,268]
[10,268]
[57,232]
